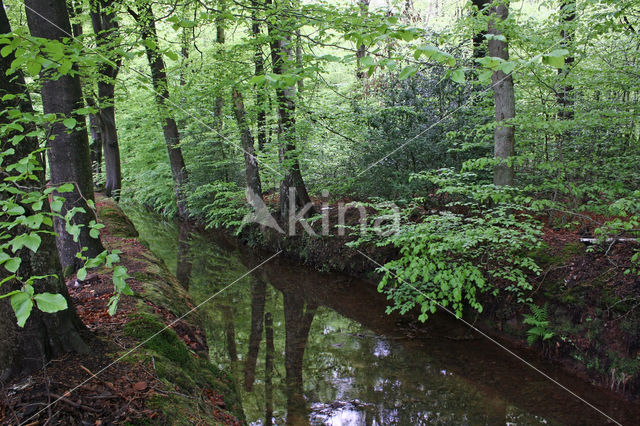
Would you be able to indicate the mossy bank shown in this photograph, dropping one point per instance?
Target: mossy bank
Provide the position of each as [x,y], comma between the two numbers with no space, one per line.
[167,334]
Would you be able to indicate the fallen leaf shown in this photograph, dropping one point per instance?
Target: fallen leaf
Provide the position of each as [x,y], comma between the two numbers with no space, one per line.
[140,386]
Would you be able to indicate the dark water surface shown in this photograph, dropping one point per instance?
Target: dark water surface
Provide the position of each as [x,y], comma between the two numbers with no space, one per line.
[312,348]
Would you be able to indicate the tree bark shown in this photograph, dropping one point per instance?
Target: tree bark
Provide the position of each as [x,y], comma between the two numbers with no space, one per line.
[503,93]
[145,20]
[105,26]
[96,143]
[479,50]
[258,61]
[281,58]
[361,51]
[567,16]
[252,172]
[68,152]
[45,335]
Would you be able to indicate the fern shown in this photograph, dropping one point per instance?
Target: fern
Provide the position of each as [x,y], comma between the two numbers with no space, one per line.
[539,321]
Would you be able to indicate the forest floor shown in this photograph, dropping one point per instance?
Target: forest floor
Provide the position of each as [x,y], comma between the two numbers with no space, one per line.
[125,379]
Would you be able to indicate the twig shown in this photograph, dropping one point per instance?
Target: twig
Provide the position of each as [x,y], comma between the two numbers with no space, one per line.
[74,404]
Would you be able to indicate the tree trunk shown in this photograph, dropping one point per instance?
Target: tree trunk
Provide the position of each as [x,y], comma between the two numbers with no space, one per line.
[568,15]
[45,335]
[161,89]
[281,58]
[105,26]
[258,61]
[258,297]
[252,172]
[96,143]
[361,51]
[504,97]
[564,95]
[68,152]
[479,51]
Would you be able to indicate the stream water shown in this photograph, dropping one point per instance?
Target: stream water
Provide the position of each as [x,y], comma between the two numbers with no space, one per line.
[313,348]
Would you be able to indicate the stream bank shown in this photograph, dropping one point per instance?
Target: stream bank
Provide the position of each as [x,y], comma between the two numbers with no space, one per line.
[583,298]
[332,355]
[146,365]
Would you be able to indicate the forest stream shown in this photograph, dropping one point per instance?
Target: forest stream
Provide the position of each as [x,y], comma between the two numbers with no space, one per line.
[334,356]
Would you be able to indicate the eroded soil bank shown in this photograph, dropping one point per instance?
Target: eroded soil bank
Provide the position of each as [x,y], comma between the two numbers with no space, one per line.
[149,362]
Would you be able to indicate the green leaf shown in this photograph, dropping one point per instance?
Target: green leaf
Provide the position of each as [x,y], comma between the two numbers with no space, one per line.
[113,303]
[82,274]
[56,205]
[48,302]
[6,50]
[70,122]
[67,187]
[171,55]
[32,241]
[555,58]
[65,66]
[257,80]
[13,264]
[22,304]
[407,72]
[458,76]
[33,68]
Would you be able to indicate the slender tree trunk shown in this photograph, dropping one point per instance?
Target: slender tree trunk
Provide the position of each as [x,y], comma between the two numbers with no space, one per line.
[282,58]
[258,297]
[105,26]
[361,51]
[96,143]
[258,61]
[44,336]
[145,20]
[564,95]
[503,93]
[252,172]
[568,15]
[479,50]
[75,10]
[68,151]
[219,100]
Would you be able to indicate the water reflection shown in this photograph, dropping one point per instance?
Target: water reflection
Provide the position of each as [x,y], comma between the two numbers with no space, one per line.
[310,348]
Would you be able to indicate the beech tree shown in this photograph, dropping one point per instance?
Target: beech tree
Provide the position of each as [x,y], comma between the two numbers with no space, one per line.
[504,97]
[105,26]
[68,146]
[146,22]
[251,162]
[43,335]
[282,57]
